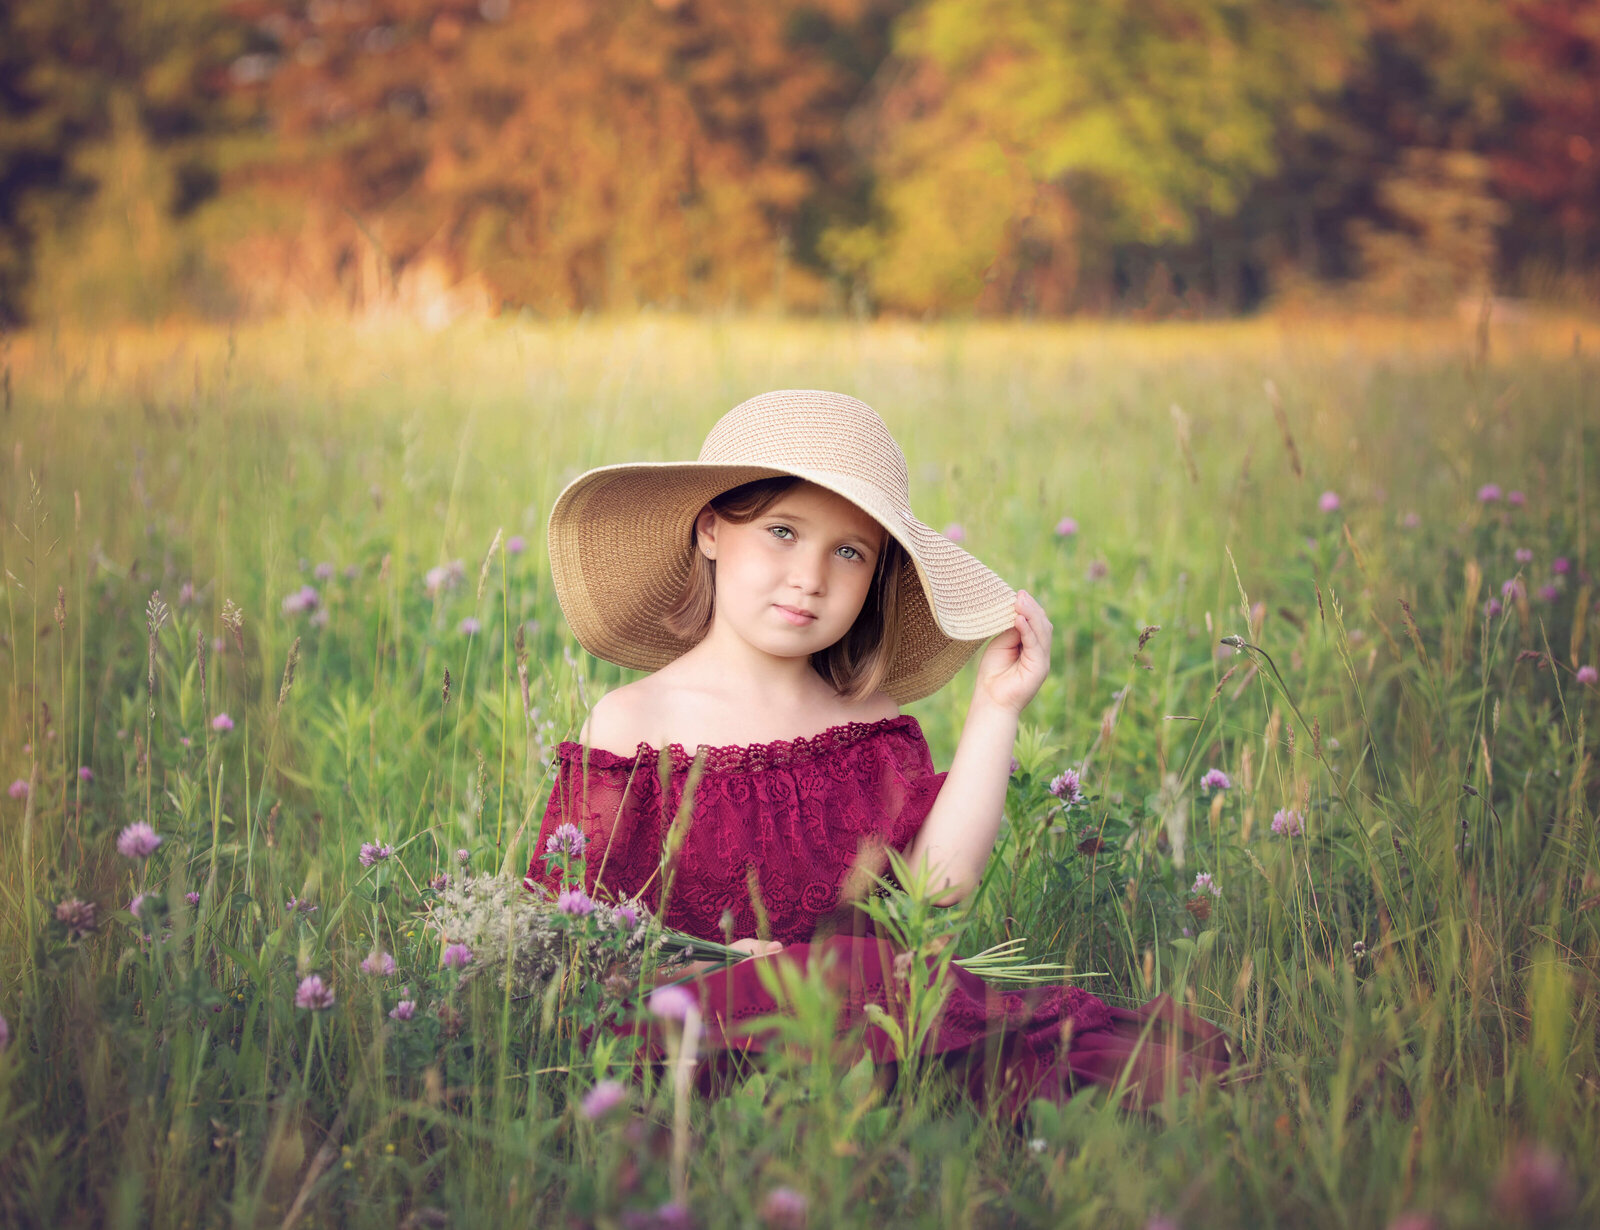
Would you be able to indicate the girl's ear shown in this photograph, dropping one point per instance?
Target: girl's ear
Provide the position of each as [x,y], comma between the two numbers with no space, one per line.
[705,532]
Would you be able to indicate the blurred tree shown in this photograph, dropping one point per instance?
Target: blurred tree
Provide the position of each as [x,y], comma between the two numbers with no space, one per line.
[62,63]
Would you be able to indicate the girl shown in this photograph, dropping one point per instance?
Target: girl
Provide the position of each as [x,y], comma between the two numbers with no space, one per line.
[788,602]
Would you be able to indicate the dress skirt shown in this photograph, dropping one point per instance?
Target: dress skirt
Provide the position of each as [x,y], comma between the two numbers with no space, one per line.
[1006,1044]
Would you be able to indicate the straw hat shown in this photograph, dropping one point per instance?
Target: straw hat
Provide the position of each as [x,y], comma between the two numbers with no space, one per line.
[622,536]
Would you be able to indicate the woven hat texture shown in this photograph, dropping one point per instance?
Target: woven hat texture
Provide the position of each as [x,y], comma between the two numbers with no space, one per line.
[621,536]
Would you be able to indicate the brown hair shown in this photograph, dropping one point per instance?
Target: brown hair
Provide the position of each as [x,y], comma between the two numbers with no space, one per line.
[855,665]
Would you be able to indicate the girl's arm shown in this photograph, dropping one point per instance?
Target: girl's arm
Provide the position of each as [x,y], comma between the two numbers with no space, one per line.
[958,836]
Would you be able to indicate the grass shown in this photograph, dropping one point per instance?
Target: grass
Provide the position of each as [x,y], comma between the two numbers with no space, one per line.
[1415,975]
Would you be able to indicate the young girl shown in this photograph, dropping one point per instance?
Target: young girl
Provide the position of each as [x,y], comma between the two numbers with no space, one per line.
[788,602]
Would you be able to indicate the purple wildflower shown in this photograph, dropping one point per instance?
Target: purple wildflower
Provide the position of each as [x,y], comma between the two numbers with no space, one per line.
[1215,779]
[222,723]
[299,905]
[1015,766]
[784,1209]
[138,840]
[1488,493]
[1523,555]
[193,898]
[303,599]
[1066,527]
[566,839]
[136,906]
[378,963]
[77,916]
[1516,499]
[313,994]
[469,626]
[1549,593]
[463,857]
[626,915]
[955,532]
[1097,570]
[574,901]
[85,773]
[1561,565]
[457,956]
[18,789]
[372,852]
[1492,607]
[1287,823]
[1533,1186]
[404,1010]
[440,882]
[671,1003]
[1587,675]
[1513,589]
[1067,786]
[600,1101]
[5,1034]
[1203,883]
[1328,501]
[1410,521]
[516,544]
[323,571]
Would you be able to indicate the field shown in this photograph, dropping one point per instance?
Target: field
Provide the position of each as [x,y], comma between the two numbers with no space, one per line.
[1398,517]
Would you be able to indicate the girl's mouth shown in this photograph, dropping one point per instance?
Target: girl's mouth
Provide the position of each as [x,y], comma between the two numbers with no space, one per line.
[799,618]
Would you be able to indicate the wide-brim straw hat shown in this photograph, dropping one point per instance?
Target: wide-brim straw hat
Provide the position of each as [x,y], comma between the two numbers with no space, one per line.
[622,536]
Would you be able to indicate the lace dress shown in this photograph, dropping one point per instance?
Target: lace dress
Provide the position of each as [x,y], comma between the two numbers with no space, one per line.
[787,825]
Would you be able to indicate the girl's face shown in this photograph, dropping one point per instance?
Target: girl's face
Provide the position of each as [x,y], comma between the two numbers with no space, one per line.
[792,581]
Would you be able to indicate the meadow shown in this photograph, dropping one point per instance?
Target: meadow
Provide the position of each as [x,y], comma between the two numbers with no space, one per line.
[239,565]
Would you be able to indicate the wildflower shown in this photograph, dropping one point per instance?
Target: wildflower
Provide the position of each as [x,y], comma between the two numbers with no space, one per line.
[320,619]
[566,839]
[469,626]
[1516,499]
[1488,493]
[299,905]
[85,773]
[439,882]
[784,1209]
[1513,589]
[1548,593]
[1287,823]
[671,1003]
[1097,570]
[1358,949]
[138,840]
[1066,527]
[192,898]
[1534,1186]
[1037,1144]
[605,1097]
[379,963]
[305,598]
[457,956]
[955,532]
[1015,766]
[313,994]
[574,901]
[136,906]
[1215,779]
[222,723]
[516,544]
[404,1010]
[372,852]
[1492,607]
[1328,501]
[186,594]
[77,916]
[1204,884]
[18,789]
[5,1034]
[433,581]
[186,740]
[1561,565]
[323,571]
[1067,786]
[1410,521]
[626,915]
[1523,555]
[463,857]
[1587,675]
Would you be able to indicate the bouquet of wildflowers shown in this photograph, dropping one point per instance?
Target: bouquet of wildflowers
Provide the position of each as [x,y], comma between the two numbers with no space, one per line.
[494,926]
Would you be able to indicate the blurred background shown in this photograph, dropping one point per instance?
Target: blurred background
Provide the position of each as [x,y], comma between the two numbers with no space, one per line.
[231,159]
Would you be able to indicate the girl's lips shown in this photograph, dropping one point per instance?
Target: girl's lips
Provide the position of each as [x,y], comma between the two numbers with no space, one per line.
[798,618]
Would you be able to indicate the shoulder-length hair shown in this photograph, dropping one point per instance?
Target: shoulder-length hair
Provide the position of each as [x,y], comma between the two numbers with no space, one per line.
[856,664]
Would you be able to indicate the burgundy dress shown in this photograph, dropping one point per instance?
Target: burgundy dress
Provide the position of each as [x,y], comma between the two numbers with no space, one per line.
[790,817]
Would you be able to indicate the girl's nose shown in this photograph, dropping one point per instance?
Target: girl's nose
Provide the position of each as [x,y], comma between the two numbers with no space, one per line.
[807,572]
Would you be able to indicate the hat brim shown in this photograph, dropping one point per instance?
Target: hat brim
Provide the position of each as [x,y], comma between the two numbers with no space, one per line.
[621,548]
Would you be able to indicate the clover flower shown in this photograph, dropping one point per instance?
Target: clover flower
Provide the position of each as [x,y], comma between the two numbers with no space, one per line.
[671,1003]
[1328,501]
[1097,570]
[566,839]
[600,1101]
[136,906]
[404,1010]
[440,882]
[626,915]
[18,789]
[1492,607]
[574,901]
[372,852]
[516,544]
[1203,883]
[463,857]
[469,626]
[1522,555]
[138,840]
[85,773]
[955,532]
[1410,521]
[1548,593]
[5,1034]
[1489,493]
[1587,675]
[1561,565]
[1516,499]
[192,898]
[77,916]
[305,598]
[313,994]
[784,1209]
[222,723]
[1066,527]
[1287,823]
[1067,786]
[1215,779]
[457,956]
[299,905]
[1513,589]
[323,571]
[379,963]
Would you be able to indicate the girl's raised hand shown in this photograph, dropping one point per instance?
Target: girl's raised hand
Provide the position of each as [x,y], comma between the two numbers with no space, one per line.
[1015,663]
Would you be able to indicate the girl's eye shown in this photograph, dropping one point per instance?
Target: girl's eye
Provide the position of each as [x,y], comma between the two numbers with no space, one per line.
[854,554]
[781,530]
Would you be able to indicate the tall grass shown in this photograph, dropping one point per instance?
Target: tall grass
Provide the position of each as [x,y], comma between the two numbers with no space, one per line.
[1412,978]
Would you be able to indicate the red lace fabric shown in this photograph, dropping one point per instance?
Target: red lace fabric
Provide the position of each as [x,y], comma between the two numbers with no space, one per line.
[794,816]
